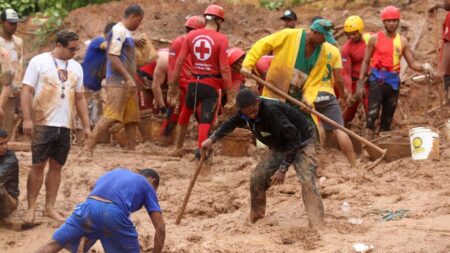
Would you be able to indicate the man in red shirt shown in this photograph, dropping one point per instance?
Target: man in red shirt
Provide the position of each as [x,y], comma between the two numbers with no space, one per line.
[384,52]
[210,73]
[353,52]
[192,23]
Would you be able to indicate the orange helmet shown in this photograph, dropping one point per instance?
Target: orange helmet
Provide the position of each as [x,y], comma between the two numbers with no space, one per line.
[390,12]
[215,10]
[234,54]
[195,22]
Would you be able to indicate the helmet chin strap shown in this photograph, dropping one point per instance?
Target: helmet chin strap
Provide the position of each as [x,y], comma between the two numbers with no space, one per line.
[218,23]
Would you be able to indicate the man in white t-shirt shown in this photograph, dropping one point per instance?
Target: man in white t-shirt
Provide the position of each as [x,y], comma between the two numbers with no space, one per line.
[14,45]
[121,105]
[56,81]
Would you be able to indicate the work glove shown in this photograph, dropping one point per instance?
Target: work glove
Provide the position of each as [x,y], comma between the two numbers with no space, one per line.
[427,68]
[358,94]
[173,95]
[246,72]
[231,103]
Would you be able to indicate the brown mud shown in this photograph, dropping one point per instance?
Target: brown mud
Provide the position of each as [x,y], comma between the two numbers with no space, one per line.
[216,218]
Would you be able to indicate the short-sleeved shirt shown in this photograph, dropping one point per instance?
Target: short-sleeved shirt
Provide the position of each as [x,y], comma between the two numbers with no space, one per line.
[120,43]
[128,190]
[335,63]
[208,52]
[174,52]
[446,29]
[94,64]
[15,51]
[49,107]
[9,173]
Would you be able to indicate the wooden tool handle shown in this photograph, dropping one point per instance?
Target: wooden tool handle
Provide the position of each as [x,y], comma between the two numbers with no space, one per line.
[191,186]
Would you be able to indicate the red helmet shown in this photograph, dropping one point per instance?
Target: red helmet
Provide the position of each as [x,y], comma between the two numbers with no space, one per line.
[195,22]
[215,10]
[390,12]
[234,54]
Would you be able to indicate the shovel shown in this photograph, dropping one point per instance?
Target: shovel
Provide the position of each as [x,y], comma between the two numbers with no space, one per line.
[376,153]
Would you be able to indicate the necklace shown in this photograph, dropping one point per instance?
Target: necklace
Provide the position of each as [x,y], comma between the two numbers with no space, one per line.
[62,75]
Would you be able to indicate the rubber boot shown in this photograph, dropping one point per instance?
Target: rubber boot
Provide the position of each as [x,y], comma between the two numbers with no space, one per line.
[180,134]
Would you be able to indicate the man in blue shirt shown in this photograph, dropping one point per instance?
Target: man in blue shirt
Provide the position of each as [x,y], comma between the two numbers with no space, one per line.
[94,69]
[105,214]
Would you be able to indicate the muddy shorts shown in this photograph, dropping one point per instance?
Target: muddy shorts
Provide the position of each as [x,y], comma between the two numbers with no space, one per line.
[50,142]
[102,221]
[328,105]
[121,104]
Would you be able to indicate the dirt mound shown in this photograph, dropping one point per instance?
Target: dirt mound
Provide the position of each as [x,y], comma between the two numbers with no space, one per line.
[216,218]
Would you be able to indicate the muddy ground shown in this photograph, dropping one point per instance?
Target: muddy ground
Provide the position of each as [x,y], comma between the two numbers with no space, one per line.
[216,216]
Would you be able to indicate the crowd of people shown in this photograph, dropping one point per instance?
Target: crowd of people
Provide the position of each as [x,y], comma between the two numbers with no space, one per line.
[198,74]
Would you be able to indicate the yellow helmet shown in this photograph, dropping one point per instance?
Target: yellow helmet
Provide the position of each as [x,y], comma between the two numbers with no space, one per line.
[354,23]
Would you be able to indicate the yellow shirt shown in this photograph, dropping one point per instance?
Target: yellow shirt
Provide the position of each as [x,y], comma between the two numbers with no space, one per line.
[334,63]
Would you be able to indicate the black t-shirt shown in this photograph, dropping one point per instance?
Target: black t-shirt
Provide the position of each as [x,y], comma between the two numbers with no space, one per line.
[9,173]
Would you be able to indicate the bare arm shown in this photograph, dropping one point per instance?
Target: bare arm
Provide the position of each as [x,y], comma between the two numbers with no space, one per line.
[445,66]
[339,82]
[118,66]
[159,78]
[82,109]
[367,56]
[409,57]
[3,98]
[26,102]
[160,231]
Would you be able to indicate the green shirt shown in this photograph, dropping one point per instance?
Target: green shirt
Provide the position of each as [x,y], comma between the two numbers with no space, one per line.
[306,64]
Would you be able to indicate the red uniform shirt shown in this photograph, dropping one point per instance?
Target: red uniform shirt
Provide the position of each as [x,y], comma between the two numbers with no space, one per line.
[207,50]
[174,52]
[352,59]
[263,64]
[387,53]
[446,29]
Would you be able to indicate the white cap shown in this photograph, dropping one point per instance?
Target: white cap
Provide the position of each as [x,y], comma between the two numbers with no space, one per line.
[10,15]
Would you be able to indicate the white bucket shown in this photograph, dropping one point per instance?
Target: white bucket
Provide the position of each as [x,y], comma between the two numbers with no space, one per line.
[424,143]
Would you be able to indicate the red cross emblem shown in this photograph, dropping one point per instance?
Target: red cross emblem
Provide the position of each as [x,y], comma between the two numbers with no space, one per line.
[202,49]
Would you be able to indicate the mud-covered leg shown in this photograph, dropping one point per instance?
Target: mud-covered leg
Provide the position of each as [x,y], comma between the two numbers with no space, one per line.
[305,165]
[260,182]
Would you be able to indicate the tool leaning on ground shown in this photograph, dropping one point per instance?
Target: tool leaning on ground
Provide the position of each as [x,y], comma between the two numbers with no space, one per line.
[191,186]
[375,152]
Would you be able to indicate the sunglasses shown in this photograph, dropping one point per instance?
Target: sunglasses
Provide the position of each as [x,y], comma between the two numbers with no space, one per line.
[73,49]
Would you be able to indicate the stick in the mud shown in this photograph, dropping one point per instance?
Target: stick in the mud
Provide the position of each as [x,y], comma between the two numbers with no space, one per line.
[380,151]
[191,186]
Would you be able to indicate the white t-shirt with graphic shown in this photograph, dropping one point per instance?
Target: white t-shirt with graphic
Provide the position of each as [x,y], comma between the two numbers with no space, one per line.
[50,107]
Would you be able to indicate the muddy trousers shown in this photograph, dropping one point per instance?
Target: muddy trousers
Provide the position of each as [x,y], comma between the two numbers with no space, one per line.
[205,96]
[381,96]
[305,165]
[7,203]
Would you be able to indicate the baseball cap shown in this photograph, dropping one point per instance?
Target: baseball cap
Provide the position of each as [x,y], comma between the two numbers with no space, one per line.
[10,15]
[324,27]
[288,14]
